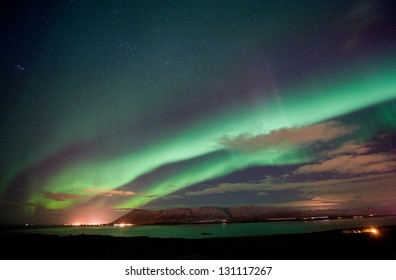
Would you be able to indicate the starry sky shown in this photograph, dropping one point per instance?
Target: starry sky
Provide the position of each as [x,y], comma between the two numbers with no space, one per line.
[107,106]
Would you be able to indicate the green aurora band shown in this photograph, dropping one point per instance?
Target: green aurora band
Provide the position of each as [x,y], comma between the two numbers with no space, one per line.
[334,95]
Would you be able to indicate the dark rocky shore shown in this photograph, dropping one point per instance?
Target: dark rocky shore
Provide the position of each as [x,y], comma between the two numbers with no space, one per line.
[329,245]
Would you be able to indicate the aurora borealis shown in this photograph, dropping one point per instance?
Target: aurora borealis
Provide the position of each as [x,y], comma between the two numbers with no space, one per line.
[112,105]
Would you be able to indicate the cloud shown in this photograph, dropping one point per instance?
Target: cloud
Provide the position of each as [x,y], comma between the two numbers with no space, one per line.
[262,193]
[263,186]
[349,148]
[30,204]
[352,192]
[62,196]
[69,196]
[306,135]
[266,186]
[17,203]
[351,164]
[151,196]
[110,193]
[172,197]
[351,158]
[272,184]
[349,174]
[314,202]
[227,187]
[357,193]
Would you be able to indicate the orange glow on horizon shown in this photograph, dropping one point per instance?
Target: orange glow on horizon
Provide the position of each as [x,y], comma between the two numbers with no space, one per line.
[85,224]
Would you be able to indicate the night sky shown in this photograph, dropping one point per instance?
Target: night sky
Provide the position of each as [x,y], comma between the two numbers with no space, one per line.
[107,106]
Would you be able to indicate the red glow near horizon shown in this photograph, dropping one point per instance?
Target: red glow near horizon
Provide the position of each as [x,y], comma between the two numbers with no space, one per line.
[91,216]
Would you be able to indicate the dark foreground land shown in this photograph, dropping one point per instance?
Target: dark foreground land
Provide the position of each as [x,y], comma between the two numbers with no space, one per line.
[329,245]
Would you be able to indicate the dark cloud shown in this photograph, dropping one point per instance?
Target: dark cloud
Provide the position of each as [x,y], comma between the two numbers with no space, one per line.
[350,175]
[351,158]
[349,164]
[111,193]
[62,196]
[295,136]
[348,148]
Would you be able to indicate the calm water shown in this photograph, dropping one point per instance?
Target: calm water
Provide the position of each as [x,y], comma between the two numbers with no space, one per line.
[216,230]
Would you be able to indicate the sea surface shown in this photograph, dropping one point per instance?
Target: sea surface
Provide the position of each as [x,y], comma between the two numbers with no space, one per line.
[210,230]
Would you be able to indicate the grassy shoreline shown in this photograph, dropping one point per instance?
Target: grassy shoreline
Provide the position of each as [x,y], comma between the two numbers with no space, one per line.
[326,245]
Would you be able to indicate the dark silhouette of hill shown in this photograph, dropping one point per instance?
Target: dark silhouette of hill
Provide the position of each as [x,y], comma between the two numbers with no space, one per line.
[212,214]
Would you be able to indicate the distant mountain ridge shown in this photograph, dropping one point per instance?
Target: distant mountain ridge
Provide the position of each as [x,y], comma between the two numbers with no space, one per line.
[212,214]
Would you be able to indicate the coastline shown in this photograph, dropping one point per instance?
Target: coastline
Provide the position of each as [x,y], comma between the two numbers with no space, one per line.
[325,245]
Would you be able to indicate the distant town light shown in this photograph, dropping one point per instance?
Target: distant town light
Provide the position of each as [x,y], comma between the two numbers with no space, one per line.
[374,231]
[123,225]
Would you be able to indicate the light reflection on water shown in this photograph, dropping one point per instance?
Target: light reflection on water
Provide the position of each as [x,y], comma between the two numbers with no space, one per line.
[215,230]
